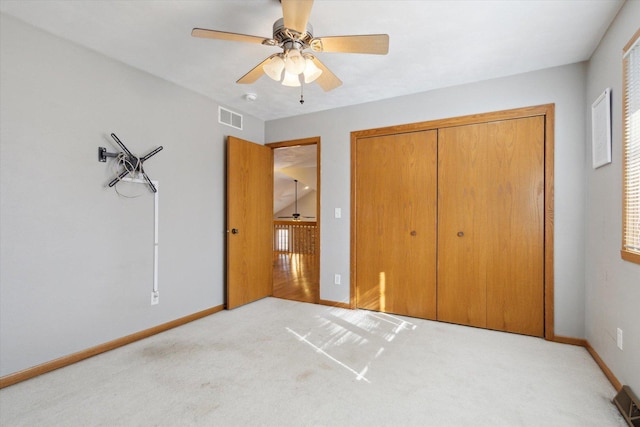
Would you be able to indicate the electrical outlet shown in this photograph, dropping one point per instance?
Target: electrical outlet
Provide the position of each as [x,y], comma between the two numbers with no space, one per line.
[155,298]
[619,338]
[336,279]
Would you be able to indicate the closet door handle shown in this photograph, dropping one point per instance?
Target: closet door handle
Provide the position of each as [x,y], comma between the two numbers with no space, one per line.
[234,231]
[460,233]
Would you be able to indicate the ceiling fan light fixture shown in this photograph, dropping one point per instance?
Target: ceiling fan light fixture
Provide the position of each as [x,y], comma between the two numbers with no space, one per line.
[290,79]
[311,72]
[294,63]
[274,68]
[293,34]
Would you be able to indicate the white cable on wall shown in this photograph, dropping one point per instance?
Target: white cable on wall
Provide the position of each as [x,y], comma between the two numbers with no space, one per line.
[155,295]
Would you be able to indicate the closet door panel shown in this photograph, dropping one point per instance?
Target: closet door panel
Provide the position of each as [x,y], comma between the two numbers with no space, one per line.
[462,225]
[395,199]
[515,275]
[490,225]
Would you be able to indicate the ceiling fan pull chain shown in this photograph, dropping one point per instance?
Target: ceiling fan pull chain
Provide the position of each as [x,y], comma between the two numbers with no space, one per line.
[301,93]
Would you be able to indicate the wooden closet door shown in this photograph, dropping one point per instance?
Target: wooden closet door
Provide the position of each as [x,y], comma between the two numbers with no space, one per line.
[395,223]
[491,225]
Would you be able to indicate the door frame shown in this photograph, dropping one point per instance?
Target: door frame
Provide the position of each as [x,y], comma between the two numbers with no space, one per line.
[548,112]
[308,141]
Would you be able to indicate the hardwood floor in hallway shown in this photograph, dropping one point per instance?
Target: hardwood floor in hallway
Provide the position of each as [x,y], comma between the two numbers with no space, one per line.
[295,277]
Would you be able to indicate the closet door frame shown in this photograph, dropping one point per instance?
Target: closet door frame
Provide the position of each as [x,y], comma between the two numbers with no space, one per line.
[548,112]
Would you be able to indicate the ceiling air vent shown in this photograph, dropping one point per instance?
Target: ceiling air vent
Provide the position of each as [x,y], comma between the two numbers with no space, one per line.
[229,118]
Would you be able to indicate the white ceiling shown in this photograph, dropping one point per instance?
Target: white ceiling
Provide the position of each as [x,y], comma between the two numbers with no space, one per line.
[290,163]
[433,44]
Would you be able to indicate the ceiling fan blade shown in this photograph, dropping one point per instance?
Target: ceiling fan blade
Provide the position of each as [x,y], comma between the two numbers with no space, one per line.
[222,35]
[377,44]
[296,14]
[327,79]
[255,73]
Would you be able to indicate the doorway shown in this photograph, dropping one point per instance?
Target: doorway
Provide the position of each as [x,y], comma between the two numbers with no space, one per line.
[296,220]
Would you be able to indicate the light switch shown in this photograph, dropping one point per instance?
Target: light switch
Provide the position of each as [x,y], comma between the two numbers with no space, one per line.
[338,213]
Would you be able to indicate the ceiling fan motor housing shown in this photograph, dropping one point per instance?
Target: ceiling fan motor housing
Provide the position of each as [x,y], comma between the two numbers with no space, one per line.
[291,39]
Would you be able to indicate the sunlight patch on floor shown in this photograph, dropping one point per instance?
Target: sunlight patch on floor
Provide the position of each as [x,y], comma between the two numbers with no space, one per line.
[345,331]
[359,375]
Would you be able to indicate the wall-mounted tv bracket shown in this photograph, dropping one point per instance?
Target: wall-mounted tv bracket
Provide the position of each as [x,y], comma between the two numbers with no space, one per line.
[130,162]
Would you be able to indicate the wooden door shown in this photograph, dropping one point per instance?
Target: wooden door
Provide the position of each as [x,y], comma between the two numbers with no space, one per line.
[491,225]
[249,215]
[395,223]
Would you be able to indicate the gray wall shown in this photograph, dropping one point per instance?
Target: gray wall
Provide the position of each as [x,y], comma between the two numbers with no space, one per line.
[75,259]
[612,285]
[563,86]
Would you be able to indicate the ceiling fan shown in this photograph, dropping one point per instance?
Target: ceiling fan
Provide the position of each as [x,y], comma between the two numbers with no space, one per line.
[294,35]
[296,215]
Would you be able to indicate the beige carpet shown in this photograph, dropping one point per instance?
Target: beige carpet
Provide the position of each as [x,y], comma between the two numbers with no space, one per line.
[282,363]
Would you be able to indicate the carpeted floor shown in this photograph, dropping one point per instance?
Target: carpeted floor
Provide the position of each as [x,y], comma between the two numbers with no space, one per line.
[283,363]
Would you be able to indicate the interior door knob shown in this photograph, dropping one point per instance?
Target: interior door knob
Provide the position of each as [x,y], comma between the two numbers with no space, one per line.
[460,233]
[414,233]
[234,231]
